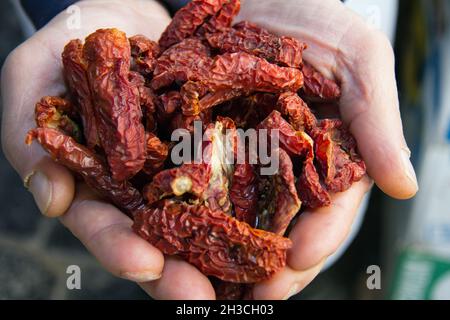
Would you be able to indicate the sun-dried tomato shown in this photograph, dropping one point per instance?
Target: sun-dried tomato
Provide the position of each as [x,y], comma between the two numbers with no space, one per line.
[223,19]
[179,121]
[184,61]
[157,152]
[187,179]
[285,51]
[78,84]
[147,99]
[319,87]
[92,168]
[244,193]
[237,74]
[144,53]
[248,112]
[57,113]
[297,111]
[336,153]
[281,204]
[188,19]
[216,243]
[107,54]
[294,142]
[310,189]
[207,181]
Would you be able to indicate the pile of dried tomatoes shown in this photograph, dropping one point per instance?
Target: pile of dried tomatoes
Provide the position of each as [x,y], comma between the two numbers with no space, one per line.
[126,96]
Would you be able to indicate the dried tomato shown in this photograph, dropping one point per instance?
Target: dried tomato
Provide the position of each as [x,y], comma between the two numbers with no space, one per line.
[187,60]
[68,152]
[319,87]
[107,54]
[285,51]
[78,84]
[297,111]
[248,112]
[144,53]
[336,152]
[56,112]
[188,19]
[223,19]
[294,142]
[188,178]
[237,74]
[216,243]
[157,152]
[282,203]
[244,193]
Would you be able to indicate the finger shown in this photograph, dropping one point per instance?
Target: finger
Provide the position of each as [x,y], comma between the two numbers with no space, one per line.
[180,281]
[319,233]
[286,283]
[39,59]
[106,232]
[52,186]
[372,113]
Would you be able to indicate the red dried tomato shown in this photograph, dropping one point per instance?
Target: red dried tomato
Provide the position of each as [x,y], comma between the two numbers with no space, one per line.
[68,152]
[217,244]
[107,54]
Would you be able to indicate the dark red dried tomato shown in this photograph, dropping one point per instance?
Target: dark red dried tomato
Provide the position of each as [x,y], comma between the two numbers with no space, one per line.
[223,19]
[297,112]
[187,60]
[68,152]
[244,193]
[237,74]
[310,189]
[285,51]
[294,142]
[56,112]
[157,153]
[188,19]
[188,178]
[335,150]
[144,53]
[107,54]
[217,244]
[281,203]
[78,84]
[319,87]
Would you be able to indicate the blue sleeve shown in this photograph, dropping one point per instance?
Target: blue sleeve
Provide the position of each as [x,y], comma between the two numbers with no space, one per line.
[41,12]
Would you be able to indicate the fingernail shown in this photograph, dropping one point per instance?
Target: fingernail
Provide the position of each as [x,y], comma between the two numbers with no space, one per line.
[292,292]
[41,188]
[139,277]
[408,167]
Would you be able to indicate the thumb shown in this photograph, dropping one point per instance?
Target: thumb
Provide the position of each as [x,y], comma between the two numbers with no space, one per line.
[52,186]
[370,106]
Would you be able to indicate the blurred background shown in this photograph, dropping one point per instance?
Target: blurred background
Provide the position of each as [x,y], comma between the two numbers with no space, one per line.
[408,240]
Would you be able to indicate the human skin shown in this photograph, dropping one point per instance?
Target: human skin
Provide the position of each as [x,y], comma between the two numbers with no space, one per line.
[340,44]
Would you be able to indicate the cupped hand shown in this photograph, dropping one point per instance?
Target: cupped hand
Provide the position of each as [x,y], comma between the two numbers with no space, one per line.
[342,46]
[34,70]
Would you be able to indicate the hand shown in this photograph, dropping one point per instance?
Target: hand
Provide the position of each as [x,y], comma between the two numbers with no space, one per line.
[343,47]
[32,71]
